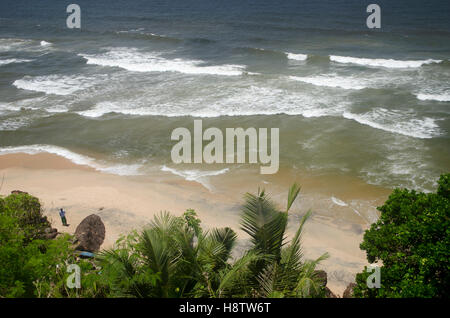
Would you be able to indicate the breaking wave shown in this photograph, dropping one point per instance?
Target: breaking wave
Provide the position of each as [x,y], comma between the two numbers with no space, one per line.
[121,169]
[388,63]
[394,122]
[135,61]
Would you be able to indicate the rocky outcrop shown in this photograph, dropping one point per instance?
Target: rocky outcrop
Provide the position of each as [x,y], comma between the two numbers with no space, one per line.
[322,277]
[29,214]
[50,233]
[329,293]
[348,292]
[90,234]
[18,192]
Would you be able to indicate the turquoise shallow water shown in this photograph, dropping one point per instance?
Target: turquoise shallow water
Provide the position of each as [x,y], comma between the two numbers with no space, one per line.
[347,100]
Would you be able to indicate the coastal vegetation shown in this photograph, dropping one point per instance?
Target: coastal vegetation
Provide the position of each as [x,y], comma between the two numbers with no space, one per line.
[174,256]
[411,240]
[30,263]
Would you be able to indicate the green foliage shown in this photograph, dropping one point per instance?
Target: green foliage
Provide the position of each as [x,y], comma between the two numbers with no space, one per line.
[26,209]
[123,271]
[35,267]
[411,240]
[175,257]
[191,219]
[27,260]
[171,257]
[282,265]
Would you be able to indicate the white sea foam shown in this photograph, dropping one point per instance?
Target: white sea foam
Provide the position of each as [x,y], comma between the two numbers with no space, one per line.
[45,43]
[397,122]
[242,101]
[338,201]
[332,81]
[132,30]
[296,56]
[444,97]
[78,159]
[56,109]
[406,164]
[199,176]
[10,61]
[103,108]
[388,63]
[56,84]
[13,44]
[13,123]
[260,100]
[133,60]
[24,104]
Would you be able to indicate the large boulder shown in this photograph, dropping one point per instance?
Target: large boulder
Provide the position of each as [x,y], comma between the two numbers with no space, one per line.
[90,234]
[329,293]
[348,292]
[322,277]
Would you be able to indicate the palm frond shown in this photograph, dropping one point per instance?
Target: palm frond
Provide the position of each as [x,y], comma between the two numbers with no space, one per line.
[292,257]
[294,190]
[264,223]
[235,275]
[122,268]
[308,283]
[226,236]
[225,239]
[267,280]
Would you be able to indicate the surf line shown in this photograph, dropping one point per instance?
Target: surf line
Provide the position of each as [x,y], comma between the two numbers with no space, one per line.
[235,146]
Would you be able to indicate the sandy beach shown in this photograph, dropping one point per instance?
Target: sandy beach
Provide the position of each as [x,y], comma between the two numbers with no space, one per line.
[125,203]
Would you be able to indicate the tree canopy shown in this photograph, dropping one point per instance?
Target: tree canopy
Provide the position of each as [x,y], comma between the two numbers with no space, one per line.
[411,240]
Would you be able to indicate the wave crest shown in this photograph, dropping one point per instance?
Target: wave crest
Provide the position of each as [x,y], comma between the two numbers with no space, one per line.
[388,63]
[135,61]
[444,97]
[394,122]
[121,169]
[296,56]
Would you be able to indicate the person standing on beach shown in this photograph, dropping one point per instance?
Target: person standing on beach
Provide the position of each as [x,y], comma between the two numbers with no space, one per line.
[62,214]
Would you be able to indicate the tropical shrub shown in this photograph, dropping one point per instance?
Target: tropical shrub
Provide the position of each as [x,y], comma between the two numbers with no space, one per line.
[29,264]
[411,240]
[175,257]
[171,257]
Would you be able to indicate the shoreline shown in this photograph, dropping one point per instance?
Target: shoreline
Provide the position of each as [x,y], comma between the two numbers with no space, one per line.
[126,203]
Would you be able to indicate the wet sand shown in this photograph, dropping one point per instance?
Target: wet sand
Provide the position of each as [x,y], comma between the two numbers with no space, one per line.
[342,206]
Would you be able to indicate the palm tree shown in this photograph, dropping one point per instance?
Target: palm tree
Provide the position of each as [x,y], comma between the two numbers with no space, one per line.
[169,258]
[174,257]
[281,273]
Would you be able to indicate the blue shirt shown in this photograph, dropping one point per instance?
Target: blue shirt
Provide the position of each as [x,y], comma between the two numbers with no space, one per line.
[62,213]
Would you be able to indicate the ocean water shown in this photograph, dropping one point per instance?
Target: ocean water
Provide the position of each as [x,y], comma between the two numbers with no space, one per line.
[373,104]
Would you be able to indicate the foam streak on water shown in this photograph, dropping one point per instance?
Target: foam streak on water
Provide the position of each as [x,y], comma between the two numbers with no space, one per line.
[390,121]
[373,105]
[133,60]
[74,157]
[388,63]
[200,176]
